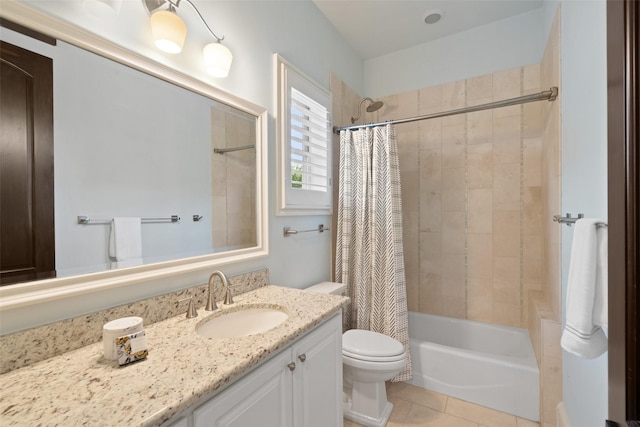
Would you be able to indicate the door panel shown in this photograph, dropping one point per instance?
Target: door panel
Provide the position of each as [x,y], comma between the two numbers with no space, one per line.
[27,245]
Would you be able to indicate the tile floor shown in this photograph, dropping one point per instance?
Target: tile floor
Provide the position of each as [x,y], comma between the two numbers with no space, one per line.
[417,407]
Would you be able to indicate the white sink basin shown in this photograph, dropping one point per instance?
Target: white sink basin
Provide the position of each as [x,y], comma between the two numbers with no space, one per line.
[242,322]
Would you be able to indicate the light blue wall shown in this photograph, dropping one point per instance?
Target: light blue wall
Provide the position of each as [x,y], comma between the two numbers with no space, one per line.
[584,177]
[504,44]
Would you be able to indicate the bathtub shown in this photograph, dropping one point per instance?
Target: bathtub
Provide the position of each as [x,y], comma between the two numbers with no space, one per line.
[491,365]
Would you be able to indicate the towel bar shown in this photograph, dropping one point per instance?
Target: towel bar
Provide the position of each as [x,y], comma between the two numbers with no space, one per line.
[568,220]
[83,219]
[286,231]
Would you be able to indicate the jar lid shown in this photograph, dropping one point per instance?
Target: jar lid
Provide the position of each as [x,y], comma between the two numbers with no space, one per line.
[123,324]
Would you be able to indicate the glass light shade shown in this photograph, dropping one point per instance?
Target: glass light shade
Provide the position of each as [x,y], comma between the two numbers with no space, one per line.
[102,8]
[168,30]
[217,59]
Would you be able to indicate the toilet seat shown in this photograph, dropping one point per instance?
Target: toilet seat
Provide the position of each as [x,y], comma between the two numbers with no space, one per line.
[371,346]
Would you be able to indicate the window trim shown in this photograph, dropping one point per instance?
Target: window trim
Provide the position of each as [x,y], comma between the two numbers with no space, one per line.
[309,202]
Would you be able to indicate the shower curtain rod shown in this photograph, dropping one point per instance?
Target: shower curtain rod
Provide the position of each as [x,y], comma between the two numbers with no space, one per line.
[548,95]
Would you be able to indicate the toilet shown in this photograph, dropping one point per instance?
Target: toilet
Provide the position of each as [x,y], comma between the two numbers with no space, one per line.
[368,360]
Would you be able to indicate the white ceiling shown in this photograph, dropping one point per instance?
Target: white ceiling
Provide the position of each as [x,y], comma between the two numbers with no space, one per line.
[377,27]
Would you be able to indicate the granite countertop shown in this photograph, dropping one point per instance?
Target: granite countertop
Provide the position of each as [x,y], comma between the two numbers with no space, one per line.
[82,388]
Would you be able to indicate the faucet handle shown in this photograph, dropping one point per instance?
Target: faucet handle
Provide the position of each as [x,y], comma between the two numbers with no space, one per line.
[191,309]
[211,303]
[228,297]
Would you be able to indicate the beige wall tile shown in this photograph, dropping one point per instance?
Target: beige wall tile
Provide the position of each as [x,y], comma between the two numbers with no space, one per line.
[453,222]
[480,88]
[454,242]
[408,146]
[532,162]
[413,295]
[453,270]
[454,307]
[389,110]
[506,271]
[506,245]
[506,222]
[430,134]
[453,200]
[453,178]
[430,100]
[453,97]
[480,210]
[507,139]
[430,170]
[551,333]
[408,105]
[506,186]
[507,314]
[532,119]
[509,294]
[453,146]
[410,190]
[532,211]
[430,253]
[430,211]
[480,165]
[480,308]
[480,126]
[480,256]
[533,259]
[507,84]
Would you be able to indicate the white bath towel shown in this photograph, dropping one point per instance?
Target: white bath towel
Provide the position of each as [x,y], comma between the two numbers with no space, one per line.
[586,306]
[125,241]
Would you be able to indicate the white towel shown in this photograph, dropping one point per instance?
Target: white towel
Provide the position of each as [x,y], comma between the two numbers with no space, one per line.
[586,290]
[125,241]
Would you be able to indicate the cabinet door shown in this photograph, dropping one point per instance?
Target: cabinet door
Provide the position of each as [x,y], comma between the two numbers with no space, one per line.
[317,384]
[263,398]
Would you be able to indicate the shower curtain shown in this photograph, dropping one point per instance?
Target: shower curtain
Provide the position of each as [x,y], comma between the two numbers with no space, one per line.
[369,254]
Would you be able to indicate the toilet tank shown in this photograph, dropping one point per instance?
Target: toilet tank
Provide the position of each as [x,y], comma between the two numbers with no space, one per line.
[328,288]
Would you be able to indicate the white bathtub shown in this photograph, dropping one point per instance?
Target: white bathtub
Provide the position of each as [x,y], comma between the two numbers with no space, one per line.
[491,365]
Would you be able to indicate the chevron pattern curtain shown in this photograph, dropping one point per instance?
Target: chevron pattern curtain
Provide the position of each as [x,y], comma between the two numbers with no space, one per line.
[369,253]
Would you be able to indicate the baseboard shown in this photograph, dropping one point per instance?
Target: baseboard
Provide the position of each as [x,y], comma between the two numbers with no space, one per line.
[562,419]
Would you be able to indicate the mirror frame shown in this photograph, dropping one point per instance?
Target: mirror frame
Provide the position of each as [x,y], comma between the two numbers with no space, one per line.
[28,293]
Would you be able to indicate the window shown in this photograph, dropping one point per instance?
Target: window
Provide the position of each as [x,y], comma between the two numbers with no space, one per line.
[304,143]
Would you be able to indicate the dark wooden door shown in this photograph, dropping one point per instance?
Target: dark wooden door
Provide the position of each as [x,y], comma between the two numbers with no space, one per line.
[27,245]
[623,75]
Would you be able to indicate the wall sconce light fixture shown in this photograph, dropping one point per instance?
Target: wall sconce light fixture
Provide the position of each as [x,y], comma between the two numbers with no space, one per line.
[169,32]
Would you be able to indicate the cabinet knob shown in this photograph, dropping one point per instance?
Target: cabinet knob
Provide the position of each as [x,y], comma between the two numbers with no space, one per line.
[302,357]
[291,366]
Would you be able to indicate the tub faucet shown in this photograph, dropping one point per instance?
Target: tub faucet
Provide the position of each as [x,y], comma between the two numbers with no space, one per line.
[228,298]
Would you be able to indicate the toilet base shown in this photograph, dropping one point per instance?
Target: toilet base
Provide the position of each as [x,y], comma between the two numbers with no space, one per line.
[366,420]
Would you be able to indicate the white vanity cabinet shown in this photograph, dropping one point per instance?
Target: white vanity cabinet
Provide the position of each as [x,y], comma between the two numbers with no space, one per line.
[299,387]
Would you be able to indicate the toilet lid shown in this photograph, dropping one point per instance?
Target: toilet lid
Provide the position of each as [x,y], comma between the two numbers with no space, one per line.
[368,345]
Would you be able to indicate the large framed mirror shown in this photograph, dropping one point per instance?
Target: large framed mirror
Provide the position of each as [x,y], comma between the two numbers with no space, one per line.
[134,138]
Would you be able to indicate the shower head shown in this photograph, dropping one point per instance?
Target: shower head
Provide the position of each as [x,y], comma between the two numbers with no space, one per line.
[374,106]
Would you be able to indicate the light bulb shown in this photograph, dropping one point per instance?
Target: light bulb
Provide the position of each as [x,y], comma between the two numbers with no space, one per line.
[168,30]
[217,59]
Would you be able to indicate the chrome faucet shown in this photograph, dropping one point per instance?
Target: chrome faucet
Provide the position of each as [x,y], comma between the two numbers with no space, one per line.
[228,298]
